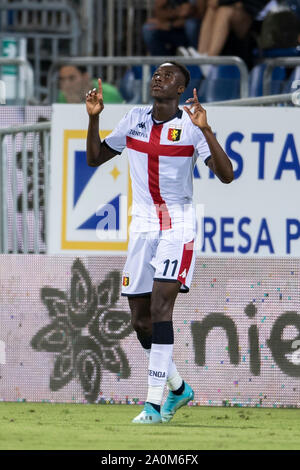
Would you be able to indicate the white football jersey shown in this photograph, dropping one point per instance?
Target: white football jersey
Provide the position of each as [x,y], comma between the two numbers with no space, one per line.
[161,157]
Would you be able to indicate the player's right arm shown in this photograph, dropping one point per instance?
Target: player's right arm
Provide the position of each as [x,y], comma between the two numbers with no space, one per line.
[97,152]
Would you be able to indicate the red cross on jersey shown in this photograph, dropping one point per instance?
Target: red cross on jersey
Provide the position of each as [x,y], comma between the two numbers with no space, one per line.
[161,157]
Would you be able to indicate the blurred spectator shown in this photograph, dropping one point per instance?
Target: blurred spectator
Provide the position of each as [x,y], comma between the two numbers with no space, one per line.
[294,6]
[280,30]
[175,23]
[222,17]
[75,82]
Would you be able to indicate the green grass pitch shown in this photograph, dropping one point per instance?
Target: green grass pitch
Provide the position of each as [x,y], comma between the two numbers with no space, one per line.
[46,426]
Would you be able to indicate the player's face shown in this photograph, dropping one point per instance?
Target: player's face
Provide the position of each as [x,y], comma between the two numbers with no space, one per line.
[166,83]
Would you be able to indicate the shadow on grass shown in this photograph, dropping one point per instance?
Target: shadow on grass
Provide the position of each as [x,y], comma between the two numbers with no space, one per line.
[177,425]
[208,426]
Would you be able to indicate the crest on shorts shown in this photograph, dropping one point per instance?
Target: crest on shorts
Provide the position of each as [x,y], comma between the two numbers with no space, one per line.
[174,133]
[125,281]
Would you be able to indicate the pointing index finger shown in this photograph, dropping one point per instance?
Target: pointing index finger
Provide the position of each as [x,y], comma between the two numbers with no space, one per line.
[100,87]
[195,95]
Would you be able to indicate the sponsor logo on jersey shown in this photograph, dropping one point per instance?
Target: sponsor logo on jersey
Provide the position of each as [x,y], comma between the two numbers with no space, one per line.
[142,125]
[157,373]
[125,280]
[174,133]
[137,133]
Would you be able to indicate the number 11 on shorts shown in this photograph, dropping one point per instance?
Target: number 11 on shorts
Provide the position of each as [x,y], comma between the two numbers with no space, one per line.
[167,264]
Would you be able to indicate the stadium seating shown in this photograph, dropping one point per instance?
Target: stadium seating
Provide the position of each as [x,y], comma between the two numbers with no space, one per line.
[131,85]
[196,78]
[278,52]
[256,80]
[222,83]
[295,75]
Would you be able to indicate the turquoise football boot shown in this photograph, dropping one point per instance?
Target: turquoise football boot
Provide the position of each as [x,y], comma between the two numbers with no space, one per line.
[174,402]
[148,416]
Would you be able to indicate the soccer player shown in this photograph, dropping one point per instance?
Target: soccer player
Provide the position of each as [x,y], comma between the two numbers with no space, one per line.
[163,143]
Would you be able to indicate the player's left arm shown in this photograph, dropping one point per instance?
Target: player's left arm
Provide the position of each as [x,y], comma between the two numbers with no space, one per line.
[219,162]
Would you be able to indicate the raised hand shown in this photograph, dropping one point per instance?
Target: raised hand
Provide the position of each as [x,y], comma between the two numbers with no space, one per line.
[94,100]
[198,116]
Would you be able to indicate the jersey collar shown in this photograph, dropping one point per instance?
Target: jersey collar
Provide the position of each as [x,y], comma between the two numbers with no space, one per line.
[178,115]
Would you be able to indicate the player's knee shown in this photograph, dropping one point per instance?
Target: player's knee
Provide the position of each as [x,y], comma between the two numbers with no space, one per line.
[141,326]
[161,311]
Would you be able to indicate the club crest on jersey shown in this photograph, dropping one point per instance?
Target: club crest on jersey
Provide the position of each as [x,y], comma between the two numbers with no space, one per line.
[174,134]
[125,280]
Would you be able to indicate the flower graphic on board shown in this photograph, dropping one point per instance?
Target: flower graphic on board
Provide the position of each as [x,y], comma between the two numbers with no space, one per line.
[85,331]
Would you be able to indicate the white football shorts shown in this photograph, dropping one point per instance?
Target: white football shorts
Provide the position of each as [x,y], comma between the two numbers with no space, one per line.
[167,255]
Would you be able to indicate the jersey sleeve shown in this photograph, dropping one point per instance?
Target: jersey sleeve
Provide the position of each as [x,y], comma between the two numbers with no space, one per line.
[200,144]
[116,141]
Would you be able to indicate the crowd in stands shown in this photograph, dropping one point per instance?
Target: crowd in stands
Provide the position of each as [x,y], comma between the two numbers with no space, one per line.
[249,29]
[222,27]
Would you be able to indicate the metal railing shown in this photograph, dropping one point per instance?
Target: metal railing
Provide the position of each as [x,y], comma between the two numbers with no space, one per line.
[277,62]
[24,188]
[49,28]
[23,88]
[288,99]
[34,15]
[145,62]
[120,23]
[104,23]
[105,28]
